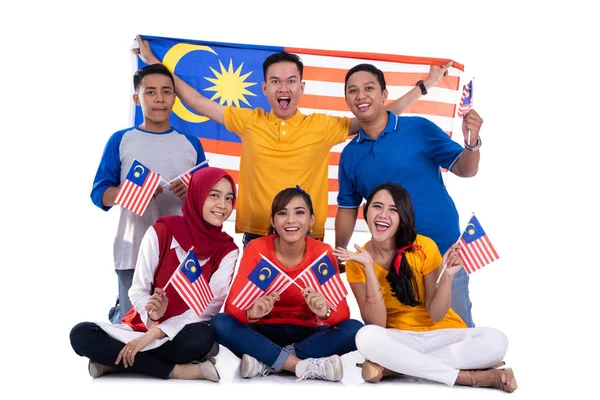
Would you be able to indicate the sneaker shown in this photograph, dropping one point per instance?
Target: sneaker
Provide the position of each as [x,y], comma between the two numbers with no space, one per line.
[96,369]
[326,368]
[250,367]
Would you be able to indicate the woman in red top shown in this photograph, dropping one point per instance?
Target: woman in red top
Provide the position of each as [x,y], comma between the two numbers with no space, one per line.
[161,335]
[269,320]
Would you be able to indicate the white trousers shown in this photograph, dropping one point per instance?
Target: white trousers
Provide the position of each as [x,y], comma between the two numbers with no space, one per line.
[435,355]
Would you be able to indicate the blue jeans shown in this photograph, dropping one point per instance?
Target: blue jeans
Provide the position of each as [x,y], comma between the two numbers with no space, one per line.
[248,237]
[272,344]
[116,313]
[193,342]
[460,302]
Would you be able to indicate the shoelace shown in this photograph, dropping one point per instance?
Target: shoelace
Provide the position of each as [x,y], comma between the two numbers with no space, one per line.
[263,370]
[316,369]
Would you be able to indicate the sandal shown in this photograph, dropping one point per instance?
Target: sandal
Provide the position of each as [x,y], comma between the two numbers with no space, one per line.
[493,378]
[373,372]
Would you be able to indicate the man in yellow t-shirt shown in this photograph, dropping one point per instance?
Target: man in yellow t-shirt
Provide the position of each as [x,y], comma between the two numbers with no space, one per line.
[283,147]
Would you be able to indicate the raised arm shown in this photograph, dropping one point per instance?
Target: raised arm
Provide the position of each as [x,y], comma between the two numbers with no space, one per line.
[438,295]
[185,92]
[468,163]
[399,106]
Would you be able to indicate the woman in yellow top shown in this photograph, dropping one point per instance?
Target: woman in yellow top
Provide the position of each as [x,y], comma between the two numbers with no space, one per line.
[410,328]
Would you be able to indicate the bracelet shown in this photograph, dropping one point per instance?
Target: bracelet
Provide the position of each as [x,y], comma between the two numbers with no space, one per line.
[328,314]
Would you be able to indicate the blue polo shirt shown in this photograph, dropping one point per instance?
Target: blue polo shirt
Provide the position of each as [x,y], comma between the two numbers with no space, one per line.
[409,152]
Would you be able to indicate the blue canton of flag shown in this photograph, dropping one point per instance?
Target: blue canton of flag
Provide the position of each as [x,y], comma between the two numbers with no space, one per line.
[322,276]
[264,279]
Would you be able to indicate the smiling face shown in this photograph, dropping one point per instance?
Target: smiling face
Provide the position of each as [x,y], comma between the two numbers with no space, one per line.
[293,221]
[283,88]
[156,97]
[219,203]
[383,218]
[364,96]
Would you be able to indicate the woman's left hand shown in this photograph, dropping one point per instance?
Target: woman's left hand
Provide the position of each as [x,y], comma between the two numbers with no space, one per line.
[452,261]
[362,257]
[128,352]
[315,301]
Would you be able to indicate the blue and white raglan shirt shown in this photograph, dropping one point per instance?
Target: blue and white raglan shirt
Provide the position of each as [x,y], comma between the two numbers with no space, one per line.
[168,154]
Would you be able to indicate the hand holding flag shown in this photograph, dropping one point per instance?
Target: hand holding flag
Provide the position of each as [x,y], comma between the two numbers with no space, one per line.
[189,282]
[323,277]
[185,176]
[138,188]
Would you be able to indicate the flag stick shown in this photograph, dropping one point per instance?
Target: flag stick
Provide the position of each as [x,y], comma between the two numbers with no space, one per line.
[180,175]
[444,266]
[470,106]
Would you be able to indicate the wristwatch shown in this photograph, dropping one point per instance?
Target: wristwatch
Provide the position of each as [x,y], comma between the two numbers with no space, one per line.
[476,147]
[328,313]
[421,85]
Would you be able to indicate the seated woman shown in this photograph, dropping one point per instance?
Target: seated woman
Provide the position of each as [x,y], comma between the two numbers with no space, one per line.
[411,328]
[293,329]
[161,336]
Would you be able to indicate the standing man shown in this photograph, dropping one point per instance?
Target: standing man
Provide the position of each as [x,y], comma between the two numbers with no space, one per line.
[281,148]
[408,151]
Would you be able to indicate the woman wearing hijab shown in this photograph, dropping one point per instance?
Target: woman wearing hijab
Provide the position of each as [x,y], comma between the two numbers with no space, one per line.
[161,336]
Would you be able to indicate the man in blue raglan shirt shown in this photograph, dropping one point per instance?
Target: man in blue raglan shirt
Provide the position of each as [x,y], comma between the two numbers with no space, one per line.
[159,147]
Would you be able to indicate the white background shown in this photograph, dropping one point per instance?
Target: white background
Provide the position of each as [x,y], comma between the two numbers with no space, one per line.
[66,87]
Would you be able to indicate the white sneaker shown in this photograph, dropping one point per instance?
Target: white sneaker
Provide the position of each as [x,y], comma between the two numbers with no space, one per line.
[250,367]
[326,368]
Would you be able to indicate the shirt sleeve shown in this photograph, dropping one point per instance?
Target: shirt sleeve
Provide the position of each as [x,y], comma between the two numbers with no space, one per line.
[235,119]
[347,196]
[337,129]
[355,272]
[143,276]
[434,258]
[441,148]
[109,170]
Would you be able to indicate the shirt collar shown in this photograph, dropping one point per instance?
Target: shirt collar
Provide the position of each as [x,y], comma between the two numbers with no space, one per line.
[295,121]
[391,126]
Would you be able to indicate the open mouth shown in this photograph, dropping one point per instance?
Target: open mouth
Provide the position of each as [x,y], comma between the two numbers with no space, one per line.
[381,226]
[284,101]
[218,214]
[363,107]
[292,230]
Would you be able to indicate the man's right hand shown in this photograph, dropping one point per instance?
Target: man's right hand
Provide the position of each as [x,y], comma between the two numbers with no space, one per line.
[144,51]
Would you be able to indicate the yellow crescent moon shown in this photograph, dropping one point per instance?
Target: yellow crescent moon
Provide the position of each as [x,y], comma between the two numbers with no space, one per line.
[472,230]
[319,268]
[170,60]
[138,174]
[268,270]
[193,269]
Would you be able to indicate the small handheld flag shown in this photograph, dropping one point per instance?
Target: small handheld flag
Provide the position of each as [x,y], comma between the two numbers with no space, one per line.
[138,188]
[186,176]
[263,280]
[466,99]
[324,278]
[191,285]
[476,250]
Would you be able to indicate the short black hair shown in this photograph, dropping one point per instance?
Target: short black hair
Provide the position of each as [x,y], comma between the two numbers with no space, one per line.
[369,68]
[283,56]
[149,70]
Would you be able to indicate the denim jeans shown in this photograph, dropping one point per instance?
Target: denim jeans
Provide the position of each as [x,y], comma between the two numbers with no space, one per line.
[116,313]
[247,238]
[272,344]
[193,342]
[460,302]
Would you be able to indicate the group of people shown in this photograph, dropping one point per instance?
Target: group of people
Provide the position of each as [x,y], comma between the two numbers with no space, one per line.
[412,322]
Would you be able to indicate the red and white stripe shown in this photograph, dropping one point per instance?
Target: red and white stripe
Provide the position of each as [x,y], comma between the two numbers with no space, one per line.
[136,198]
[197,295]
[185,179]
[333,290]
[477,254]
[246,298]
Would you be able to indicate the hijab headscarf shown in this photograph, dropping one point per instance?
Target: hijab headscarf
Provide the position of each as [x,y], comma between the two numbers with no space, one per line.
[191,229]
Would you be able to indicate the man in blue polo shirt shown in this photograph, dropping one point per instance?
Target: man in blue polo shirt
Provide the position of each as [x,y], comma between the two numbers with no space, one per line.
[408,151]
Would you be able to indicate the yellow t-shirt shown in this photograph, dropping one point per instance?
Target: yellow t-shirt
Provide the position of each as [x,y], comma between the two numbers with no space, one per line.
[277,154]
[400,316]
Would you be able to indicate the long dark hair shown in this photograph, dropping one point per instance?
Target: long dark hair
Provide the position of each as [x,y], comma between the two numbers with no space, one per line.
[282,199]
[403,283]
